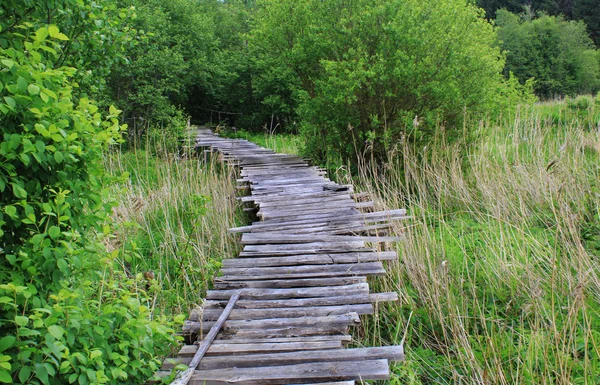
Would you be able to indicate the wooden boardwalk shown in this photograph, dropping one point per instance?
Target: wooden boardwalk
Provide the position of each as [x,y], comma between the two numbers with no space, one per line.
[280,313]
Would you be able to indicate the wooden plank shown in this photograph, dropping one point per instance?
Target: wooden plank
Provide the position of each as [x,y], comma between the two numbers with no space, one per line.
[301,292]
[307,302]
[274,323]
[304,271]
[254,314]
[277,238]
[240,348]
[392,353]
[311,259]
[300,373]
[288,283]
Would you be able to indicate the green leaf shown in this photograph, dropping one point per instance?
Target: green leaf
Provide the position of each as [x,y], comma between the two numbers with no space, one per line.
[19,191]
[10,101]
[33,90]
[56,331]
[41,373]
[53,31]
[58,156]
[62,265]
[7,342]
[5,377]
[24,374]
[54,232]
[41,34]
[22,83]
[11,211]
[21,320]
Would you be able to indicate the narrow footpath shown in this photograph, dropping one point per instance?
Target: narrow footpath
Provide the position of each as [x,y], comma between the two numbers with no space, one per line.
[281,311]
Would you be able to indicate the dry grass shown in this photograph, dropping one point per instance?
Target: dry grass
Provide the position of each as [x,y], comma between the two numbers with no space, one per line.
[172,224]
[500,267]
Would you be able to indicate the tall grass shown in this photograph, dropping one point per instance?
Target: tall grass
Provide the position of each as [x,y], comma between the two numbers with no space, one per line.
[499,271]
[171,223]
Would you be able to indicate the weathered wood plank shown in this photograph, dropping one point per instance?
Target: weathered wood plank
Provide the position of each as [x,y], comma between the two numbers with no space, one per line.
[254,314]
[392,353]
[289,283]
[311,259]
[300,373]
[277,238]
[302,292]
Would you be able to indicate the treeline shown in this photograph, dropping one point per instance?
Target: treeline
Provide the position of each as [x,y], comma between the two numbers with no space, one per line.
[584,10]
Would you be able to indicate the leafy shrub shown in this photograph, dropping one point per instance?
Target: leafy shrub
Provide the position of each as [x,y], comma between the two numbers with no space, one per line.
[65,316]
[372,73]
[581,103]
[558,54]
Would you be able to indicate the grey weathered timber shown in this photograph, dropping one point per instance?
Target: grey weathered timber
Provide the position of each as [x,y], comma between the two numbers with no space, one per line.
[300,279]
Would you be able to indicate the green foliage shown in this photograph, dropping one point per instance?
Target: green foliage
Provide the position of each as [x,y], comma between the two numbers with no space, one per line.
[93,35]
[174,59]
[585,10]
[558,54]
[60,322]
[369,74]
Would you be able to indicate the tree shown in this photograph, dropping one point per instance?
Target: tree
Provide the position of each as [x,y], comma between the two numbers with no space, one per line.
[366,70]
[558,54]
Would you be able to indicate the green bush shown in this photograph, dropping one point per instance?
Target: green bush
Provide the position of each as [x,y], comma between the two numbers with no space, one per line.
[65,316]
[371,73]
[580,103]
[558,54]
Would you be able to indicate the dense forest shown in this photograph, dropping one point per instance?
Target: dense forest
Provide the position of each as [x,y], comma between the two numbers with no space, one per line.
[369,86]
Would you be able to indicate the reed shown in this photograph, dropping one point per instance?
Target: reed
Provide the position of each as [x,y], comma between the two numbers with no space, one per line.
[499,271]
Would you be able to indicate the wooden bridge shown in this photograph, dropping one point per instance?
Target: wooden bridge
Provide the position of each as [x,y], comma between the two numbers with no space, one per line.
[280,312]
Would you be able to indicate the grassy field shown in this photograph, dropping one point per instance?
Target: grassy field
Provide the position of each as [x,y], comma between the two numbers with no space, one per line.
[172,224]
[499,271]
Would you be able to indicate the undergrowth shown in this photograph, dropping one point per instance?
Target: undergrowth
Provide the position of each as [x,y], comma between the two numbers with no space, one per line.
[499,271]
[172,222]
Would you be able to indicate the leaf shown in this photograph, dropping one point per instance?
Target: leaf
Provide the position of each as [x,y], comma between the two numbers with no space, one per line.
[33,90]
[7,342]
[10,101]
[21,320]
[41,373]
[56,331]
[22,83]
[24,374]
[5,377]
[19,191]
[41,34]
[11,211]
[54,232]
[53,31]
[58,156]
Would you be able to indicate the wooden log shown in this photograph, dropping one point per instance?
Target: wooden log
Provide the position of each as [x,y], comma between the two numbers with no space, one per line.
[183,378]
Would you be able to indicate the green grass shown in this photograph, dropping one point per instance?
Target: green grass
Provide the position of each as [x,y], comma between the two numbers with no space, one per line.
[172,224]
[283,143]
[500,264]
